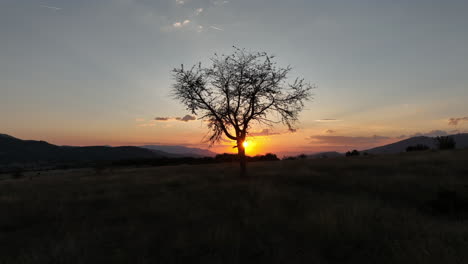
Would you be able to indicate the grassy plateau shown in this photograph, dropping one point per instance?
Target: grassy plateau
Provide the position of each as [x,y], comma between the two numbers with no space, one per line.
[406,208]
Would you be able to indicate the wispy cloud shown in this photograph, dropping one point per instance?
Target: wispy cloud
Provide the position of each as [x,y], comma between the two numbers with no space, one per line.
[329,131]
[181,24]
[216,28]
[264,132]
[433,133]
[186,118]
[180,2]
[198,11]
[347,142]
[327,120]
[51,7]
[456,120]
[220,2]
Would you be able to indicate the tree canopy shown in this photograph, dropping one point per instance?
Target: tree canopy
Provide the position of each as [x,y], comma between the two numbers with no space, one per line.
[238,90]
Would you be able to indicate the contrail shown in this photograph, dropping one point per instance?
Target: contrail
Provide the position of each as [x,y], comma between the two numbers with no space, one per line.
[51,7]
[213,27]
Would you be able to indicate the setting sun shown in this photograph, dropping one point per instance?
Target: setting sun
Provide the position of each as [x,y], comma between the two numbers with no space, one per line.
[245,144]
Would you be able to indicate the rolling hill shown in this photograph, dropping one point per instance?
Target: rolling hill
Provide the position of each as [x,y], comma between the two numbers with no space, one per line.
[182,151]
[400,146]
[14,150]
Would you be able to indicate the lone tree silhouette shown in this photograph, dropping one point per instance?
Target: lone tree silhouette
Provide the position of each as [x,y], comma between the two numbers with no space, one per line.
[237,91]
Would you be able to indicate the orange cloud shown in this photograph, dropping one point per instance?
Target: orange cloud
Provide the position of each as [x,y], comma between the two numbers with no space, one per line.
[264,132]
[346,140]
[455,121]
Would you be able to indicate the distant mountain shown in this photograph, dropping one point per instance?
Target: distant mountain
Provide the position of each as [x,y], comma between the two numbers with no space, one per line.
[461,141]
[14,150]
[182,151]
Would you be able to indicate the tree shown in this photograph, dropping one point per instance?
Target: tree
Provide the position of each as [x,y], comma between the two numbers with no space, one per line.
[445,142]
[352,153]
[237,91]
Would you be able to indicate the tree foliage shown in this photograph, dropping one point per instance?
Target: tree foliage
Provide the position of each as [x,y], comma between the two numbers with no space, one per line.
[445,142]
[352,153]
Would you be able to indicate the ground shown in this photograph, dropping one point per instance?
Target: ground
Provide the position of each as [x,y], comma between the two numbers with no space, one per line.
[406,208]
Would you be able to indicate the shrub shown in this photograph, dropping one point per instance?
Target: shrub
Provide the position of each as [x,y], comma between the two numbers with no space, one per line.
[418,147]
[352,153]
[445,142]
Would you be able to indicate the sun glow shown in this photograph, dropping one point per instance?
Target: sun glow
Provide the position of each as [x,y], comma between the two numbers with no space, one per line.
[245,144]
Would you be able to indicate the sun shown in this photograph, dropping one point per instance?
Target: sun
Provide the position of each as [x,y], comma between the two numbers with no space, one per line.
[245,144]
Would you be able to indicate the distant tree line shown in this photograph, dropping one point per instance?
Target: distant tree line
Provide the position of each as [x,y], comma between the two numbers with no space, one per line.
[352,153]
[418,147]
[441,142]
[220,158]
[17,170]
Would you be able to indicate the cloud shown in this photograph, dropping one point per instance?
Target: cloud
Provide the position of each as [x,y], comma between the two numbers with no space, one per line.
[433,133]
[198,11]
[329,131]
[186,118]
[180,2]
[217,28]
[51,7]
[264,132]
[327,120]
[456,120]
[348,141]
[163,118]
[181,24]
[220,3]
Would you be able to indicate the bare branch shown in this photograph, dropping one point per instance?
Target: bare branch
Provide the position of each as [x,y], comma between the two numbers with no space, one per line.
[238,89]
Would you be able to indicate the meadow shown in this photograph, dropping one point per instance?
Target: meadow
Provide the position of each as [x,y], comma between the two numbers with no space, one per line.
[405,208]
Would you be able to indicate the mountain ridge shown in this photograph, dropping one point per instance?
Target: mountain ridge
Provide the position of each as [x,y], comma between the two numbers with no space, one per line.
[182,150]
[461,141]
[15,150]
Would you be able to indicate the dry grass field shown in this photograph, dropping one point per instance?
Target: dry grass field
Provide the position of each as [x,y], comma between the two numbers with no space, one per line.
[407,208]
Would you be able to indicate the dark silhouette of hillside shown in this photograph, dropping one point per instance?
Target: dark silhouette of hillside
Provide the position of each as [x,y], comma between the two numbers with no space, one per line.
[182,151]
[14,150]
[401,146]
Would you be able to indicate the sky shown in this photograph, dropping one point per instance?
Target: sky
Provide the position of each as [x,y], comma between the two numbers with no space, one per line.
[99,72]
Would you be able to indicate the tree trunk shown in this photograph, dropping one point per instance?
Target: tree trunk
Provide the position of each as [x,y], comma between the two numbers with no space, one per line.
[242,158]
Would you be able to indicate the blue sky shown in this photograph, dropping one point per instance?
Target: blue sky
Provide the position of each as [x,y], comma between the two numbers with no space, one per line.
[84,72]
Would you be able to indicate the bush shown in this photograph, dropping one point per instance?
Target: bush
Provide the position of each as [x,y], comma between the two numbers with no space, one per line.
[418,147]
[445,142]
[352,153]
